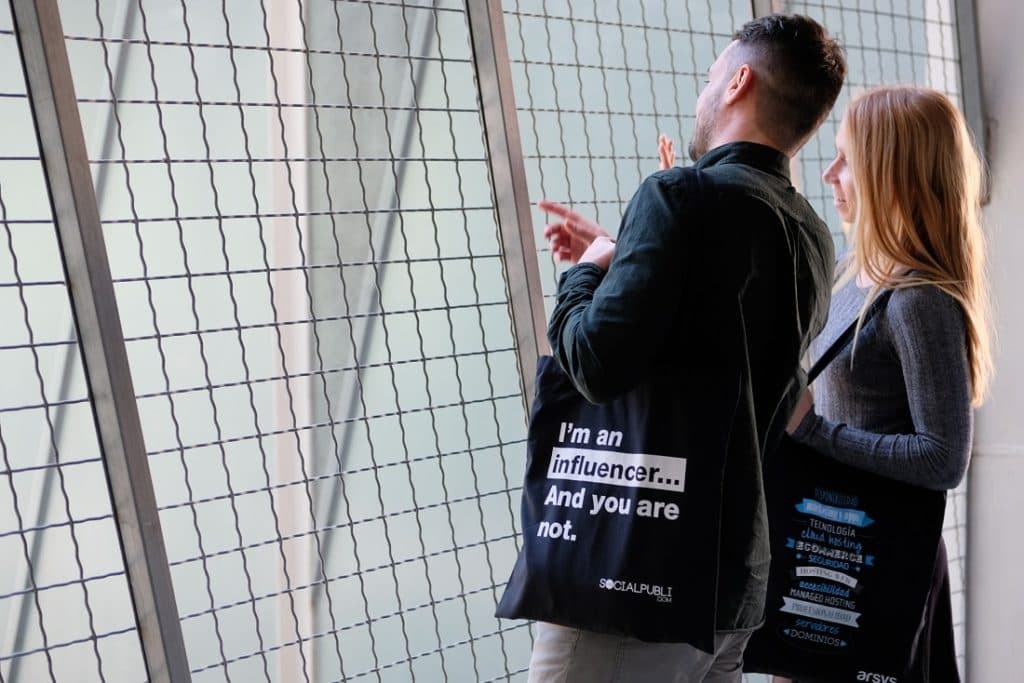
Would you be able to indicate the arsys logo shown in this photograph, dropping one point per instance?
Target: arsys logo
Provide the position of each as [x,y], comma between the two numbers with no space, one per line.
[869,677]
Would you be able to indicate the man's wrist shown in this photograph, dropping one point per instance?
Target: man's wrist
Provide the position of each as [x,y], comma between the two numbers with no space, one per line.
[580,272]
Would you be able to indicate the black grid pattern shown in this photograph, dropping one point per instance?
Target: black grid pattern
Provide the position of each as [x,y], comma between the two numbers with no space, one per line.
[299,219]
[301,232]
[887,42]
[65,609]
[595,84]
[891,42]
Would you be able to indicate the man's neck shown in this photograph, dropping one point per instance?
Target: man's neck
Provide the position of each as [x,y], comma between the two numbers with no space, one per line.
[744,133]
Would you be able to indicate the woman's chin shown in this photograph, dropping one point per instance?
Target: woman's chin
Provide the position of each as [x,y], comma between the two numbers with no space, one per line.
[845,214]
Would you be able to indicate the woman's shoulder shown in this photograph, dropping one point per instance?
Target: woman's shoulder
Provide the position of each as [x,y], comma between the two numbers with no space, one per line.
[924,308]
[923,298]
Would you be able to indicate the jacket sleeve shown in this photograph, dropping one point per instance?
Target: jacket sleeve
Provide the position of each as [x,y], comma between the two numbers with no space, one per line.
[607,329]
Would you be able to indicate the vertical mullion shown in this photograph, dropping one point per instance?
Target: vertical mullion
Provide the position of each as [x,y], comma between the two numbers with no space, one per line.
[970,72]
[73,200]
[508,177]
[763,8]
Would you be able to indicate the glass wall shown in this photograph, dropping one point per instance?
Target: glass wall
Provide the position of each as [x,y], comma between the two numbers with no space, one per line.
[298,211]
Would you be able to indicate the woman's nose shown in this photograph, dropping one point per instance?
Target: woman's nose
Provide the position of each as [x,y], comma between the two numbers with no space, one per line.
[828,175]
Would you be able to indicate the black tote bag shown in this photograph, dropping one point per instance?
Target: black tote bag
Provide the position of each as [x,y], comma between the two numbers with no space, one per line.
[620,511]
[853,555]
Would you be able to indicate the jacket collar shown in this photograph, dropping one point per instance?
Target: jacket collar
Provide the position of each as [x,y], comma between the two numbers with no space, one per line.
[759,156]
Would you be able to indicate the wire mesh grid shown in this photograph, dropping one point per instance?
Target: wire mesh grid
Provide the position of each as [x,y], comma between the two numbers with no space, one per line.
[595,83]
[65,609]
[300,227]
[890,42]
[299,220]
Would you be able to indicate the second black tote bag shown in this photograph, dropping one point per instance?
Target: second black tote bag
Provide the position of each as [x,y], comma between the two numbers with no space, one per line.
[853,558]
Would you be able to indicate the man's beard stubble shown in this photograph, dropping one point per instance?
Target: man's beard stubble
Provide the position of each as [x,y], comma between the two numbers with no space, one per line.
[704,128]
[701,139]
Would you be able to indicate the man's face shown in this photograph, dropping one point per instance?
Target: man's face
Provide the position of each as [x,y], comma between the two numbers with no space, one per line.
[708,104]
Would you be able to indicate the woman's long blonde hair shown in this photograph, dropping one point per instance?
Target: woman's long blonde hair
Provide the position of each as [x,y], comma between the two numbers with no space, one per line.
[918,184]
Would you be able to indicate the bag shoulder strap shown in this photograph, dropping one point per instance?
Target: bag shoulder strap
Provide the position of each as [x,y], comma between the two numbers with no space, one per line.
[842,340]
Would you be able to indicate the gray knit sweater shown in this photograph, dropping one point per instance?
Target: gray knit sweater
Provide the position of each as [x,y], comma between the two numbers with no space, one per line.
[899,403]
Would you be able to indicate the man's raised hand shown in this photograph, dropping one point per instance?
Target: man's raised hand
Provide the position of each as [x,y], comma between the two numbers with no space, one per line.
[572,234]
[666,152]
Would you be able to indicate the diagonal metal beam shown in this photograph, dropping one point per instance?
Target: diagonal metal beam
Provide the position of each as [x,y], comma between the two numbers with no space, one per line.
[508,178]
[76,216]
[66,365]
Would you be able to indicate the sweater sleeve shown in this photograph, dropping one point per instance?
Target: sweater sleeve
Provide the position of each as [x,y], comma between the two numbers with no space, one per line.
[928,333]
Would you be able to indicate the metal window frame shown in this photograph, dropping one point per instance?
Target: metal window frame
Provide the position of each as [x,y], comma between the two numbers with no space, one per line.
[69,366]
[966,12]
[76,217]
[971,97]
[762,8]
[508,180]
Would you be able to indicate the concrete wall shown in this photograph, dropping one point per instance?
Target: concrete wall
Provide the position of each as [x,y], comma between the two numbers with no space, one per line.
[996,605]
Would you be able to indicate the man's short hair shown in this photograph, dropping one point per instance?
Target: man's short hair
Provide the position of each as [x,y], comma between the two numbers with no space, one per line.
[800,68]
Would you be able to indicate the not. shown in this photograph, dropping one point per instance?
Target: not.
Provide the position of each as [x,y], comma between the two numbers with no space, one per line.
[561,530]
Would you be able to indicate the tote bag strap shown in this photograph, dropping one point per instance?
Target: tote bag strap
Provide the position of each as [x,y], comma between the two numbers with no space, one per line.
[842,340]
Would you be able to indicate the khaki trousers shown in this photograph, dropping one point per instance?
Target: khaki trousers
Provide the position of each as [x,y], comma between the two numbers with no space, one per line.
[570,655]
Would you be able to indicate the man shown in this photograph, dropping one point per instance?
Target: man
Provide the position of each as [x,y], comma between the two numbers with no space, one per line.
[721,273]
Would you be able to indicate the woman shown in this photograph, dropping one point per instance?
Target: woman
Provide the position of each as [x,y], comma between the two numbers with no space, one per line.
[897,401]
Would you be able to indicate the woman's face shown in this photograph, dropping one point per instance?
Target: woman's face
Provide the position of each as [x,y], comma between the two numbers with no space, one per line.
[840,177]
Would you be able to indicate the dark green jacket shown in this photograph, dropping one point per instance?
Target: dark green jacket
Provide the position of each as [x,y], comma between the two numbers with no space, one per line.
[719,283]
